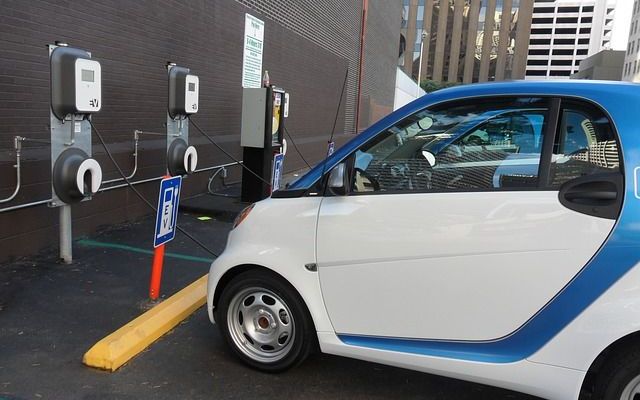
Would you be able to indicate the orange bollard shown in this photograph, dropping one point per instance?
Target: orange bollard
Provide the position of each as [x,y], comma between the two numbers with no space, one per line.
[156,272]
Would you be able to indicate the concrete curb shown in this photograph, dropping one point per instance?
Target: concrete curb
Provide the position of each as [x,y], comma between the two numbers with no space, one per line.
[119,347]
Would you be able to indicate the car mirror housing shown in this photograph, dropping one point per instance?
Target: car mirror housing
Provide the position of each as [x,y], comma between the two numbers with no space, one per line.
[337,179]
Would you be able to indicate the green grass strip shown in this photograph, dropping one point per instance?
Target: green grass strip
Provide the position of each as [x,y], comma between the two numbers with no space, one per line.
[94,243]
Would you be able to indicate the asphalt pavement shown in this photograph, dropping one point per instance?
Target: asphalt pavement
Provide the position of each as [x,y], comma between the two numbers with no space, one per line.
[51,313]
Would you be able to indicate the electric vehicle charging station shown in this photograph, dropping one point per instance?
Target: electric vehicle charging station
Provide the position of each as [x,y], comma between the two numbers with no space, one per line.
[184,90]
[76,93]
[262,135]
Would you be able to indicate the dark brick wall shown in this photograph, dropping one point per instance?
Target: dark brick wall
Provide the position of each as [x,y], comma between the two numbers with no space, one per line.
[308,47]
[382,39]
[333,25]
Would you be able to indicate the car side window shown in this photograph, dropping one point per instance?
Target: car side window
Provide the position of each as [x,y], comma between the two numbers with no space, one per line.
[585,144]
[473,145]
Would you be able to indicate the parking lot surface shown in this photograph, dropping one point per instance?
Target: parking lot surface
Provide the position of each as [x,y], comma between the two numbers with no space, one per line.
[50,314]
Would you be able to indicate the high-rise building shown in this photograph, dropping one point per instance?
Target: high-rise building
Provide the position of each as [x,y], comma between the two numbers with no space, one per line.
[631,69]
[465,40]
[564,32]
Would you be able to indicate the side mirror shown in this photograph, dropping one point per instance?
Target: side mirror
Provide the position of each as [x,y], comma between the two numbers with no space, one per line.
[338,179]
[430,157]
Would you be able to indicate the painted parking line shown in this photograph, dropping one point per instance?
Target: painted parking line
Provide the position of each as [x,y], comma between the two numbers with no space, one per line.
[109,245]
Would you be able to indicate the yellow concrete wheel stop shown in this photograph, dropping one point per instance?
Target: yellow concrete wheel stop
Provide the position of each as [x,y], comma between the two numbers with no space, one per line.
[119,347]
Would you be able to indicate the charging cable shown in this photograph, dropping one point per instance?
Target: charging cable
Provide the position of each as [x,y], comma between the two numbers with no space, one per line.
[124,177]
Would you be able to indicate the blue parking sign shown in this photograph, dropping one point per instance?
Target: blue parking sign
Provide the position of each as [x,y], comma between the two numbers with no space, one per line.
[276,173]
[167,217]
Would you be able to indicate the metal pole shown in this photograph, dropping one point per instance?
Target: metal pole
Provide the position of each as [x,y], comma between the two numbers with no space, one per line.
[424,34]
[65,234]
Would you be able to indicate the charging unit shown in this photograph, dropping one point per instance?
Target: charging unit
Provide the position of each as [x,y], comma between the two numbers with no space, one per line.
[261,136]
[184,91]
[76,93]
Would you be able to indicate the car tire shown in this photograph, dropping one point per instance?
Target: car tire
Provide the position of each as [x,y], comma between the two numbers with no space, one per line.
[265,321]
[619,378]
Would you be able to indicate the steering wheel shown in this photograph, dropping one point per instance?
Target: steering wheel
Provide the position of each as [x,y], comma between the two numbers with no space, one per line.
[475,141]
[373,180]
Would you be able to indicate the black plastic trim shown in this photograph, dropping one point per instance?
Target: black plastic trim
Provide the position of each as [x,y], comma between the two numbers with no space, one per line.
[598,195]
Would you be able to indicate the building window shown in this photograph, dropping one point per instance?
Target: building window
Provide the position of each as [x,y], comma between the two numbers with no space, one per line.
[554,72]
[586,19]
[538,52]
[540,31]
[542,41]
[535,72]
[537,62]
[542,21]
[567,20]
[583,41]
[587,9]
[566,41]
[582,52]
[568,9]
[539,10]
[565,31]
[561,62]
[585,30]
[563,52]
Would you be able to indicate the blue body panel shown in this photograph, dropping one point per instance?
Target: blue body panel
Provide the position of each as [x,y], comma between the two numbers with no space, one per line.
[619,253]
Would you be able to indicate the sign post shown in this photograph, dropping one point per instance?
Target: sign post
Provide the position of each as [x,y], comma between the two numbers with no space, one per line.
[166,225]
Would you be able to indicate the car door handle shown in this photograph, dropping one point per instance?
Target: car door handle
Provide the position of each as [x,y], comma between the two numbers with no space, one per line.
[591,196]
[599,195]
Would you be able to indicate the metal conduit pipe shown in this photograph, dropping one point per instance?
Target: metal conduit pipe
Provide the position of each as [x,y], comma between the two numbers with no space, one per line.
[136,137]
[40,202]
[17,145]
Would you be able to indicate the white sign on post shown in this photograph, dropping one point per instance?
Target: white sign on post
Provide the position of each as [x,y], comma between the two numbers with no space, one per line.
[253,45]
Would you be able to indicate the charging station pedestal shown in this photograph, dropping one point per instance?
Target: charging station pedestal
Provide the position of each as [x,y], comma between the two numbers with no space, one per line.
[261,136]
[76,93]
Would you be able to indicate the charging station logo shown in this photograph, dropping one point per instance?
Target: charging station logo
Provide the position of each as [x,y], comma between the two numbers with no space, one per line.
[167,216]
[94,103]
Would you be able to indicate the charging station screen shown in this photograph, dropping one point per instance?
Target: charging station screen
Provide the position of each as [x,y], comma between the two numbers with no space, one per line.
[87,75]
[192,87]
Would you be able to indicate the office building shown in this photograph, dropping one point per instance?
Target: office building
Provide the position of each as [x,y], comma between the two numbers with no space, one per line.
[604,65]
[631,69]
[565,32]
[465,41]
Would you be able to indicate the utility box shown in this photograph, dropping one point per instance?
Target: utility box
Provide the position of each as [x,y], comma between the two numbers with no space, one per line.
[254,104]
[261,137]
[76,82]
[184,90]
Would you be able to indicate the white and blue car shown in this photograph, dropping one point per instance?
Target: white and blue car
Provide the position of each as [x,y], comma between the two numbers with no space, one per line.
[486,232]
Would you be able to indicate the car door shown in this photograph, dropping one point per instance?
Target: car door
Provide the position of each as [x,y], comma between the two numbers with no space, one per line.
[463,220]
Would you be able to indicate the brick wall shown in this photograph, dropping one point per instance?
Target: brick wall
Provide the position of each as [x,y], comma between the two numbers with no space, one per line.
[308,47]
[384,20]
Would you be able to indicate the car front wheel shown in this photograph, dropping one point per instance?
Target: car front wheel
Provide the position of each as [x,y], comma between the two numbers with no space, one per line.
[265,321]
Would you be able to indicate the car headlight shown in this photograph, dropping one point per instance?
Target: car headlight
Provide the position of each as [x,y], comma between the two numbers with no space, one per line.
[243,214]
